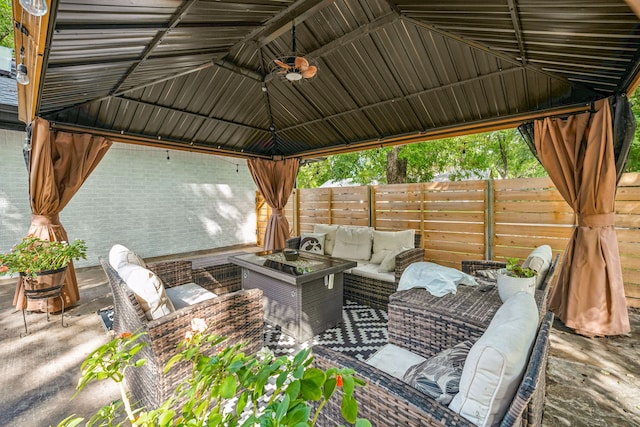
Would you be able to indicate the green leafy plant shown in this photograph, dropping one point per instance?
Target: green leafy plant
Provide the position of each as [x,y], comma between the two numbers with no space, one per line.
[226,389]
[33,254]
[515,269]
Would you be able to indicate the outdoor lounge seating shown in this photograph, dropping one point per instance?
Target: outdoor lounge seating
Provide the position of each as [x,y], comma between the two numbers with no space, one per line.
[382,257]
[425,323]
[237,315]
[389,401]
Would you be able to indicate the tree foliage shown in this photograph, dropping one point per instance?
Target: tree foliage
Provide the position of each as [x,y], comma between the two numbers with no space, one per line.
[6,24]
[499,154]
[633,163]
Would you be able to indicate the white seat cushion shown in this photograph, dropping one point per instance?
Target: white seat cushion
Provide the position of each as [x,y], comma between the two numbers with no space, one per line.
[188,294]
[353,243]
[371,271]
[496,362]
[148,289]
[394,360]
[386,241]
[330,236]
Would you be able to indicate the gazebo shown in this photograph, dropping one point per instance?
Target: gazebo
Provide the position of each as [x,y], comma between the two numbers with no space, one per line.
[280,81]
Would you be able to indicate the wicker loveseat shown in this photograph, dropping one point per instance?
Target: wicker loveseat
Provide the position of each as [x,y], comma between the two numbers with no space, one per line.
[237,315]
[388,401]
[361,286]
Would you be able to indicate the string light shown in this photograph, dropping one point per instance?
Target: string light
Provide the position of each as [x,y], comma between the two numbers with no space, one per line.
[35,7]
[22,75]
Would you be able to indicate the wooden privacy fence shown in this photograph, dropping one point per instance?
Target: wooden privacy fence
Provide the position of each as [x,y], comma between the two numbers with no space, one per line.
[488,219]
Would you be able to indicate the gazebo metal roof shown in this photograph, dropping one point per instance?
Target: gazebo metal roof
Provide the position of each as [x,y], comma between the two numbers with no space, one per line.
[193,74]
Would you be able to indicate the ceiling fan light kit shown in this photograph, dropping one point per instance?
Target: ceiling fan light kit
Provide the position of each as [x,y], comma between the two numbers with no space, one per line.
[294,67]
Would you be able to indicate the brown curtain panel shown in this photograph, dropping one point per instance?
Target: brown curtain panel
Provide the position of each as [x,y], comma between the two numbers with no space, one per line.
[275,180]
[578,154]
[59,164]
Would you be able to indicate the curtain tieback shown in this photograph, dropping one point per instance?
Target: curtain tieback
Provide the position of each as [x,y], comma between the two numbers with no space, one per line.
[276,211]
[597,220]
[45,219]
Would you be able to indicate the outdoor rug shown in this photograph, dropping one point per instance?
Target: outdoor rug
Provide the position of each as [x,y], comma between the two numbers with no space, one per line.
[362,332]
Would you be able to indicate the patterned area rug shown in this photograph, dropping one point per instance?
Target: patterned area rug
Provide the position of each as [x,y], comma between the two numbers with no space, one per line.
[362,332]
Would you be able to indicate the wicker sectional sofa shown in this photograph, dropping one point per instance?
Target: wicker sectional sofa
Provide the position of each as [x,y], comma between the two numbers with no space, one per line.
[424,325]
[388,401]
[362,284]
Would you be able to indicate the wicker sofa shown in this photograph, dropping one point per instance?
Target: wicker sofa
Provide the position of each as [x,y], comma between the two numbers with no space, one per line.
[388,401]
[237,315]
[369,289]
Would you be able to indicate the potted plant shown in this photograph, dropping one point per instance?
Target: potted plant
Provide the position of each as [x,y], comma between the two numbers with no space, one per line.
[42,263]
[515,278]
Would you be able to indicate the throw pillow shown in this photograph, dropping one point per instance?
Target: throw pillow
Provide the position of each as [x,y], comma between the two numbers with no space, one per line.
[389,261]
[497,361]
[539,260]
[330,236]
[439,377]
[148,289]
[119,254]
[384,241]
[437,279]
[353,243]
[378,257]
[312,242]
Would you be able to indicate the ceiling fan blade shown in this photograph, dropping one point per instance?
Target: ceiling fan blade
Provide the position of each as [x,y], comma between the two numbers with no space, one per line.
[281,64]
[301,63]
[310,72]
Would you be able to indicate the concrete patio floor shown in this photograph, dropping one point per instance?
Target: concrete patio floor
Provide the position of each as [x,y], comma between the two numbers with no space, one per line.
[590,382]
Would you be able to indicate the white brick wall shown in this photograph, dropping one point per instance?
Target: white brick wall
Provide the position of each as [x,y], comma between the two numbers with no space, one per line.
[140,199]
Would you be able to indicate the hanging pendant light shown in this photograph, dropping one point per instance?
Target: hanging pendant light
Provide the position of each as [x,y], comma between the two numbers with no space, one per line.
[35,7]
[22,75]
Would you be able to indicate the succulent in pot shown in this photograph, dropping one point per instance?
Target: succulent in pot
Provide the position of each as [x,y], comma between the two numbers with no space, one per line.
[515,278]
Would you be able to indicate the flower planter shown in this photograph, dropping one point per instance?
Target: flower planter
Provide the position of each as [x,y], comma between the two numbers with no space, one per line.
[509,285]
[46,284]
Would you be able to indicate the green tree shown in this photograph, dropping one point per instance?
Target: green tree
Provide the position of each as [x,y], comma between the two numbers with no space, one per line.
[502,154]
[6,24]
[633,162]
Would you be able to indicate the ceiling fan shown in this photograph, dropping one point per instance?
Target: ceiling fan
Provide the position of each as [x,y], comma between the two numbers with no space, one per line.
[294,67]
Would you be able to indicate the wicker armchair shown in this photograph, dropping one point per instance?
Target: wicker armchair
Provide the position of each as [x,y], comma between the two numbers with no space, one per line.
[372,292]
[236,315]
[387,401]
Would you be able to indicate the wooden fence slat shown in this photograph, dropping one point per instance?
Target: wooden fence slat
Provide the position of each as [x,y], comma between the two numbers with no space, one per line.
[559,218]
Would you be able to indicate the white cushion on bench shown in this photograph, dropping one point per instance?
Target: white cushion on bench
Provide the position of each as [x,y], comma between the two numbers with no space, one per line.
[394,360]
[353,243]
[496,362]
[387,241]
[148,289]
[330,236]
[371,271]
[119,255]
[188,294]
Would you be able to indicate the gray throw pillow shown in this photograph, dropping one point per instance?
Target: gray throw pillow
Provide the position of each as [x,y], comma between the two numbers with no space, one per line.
[439,377]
